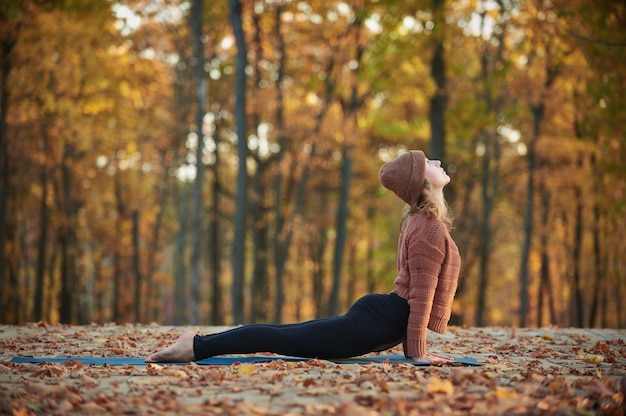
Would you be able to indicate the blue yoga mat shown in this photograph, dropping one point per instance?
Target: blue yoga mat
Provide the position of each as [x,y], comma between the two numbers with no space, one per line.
[229,359]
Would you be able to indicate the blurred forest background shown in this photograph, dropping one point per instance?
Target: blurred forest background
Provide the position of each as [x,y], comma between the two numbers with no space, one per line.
[216,162]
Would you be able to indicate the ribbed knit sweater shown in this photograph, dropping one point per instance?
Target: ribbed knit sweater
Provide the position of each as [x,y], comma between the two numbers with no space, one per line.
[428,271]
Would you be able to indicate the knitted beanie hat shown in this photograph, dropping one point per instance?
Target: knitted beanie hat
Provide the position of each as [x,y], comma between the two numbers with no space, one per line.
[405,175]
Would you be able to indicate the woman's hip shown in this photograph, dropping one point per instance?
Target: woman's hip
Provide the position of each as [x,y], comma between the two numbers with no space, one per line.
[387,309]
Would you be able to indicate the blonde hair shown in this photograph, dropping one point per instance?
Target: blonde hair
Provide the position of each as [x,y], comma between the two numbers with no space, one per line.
[433,204]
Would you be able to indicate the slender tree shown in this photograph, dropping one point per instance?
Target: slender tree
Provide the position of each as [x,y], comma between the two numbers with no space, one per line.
[10,32]
[241,199]
[196,199]
[439,100]
[217,317]
[278,246]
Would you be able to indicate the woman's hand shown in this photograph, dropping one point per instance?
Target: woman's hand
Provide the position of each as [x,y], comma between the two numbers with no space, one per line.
[433,359]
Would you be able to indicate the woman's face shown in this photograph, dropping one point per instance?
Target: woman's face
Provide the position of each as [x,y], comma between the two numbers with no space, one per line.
[435,174]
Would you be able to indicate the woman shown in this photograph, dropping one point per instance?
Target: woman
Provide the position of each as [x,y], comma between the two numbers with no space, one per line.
[428,264]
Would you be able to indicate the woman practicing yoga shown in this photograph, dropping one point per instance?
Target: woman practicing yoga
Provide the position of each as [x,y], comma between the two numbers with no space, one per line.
[428,265]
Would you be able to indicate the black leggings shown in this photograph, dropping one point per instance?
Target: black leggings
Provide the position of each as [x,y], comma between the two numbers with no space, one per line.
[373,323]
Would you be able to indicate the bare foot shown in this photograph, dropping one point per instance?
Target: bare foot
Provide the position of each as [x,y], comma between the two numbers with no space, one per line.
[180,352]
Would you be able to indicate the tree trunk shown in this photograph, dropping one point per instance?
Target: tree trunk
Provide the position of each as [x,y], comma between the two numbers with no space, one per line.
[176,303]
[241,200]
[180,286]
[90,278]
[151,264]
[136,221]
[485,234]
[371,281]
[620,277]
[300,279]
[196,199]
[43,236]
[439,100]
[538,114]
[545,286]
[66,300]
[279,209]
[353,276]
[318,247]
[68,241]
[260,284]
[52,295]
[600,271]
[119,279]
[13,305]
[16,303]
[214,240]
[7,44]
[342,227]
[259,213]
[577,296]
[99,306]
[604,308]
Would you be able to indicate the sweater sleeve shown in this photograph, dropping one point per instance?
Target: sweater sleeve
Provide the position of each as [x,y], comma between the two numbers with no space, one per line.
[425,255]
[446,289]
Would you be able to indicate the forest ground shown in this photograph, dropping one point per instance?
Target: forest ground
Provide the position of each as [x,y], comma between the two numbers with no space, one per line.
[525,371]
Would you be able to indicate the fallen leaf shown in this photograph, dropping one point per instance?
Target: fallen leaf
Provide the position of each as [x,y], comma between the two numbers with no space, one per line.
[525,371]
[506,393]
[594,359]
[174,372]
[49,370]
[90,382]
[246,369]
[437,385]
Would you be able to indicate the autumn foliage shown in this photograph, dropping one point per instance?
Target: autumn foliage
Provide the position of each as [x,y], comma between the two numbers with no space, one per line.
[99,154]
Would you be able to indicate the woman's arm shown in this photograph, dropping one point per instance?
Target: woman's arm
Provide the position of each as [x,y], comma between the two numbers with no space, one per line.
[425,256]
